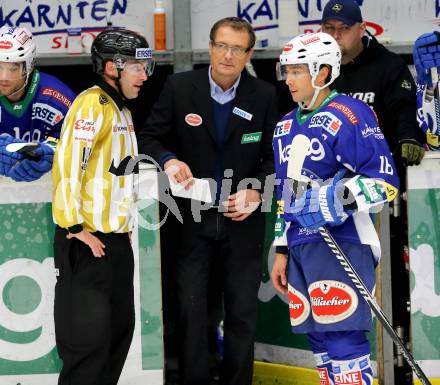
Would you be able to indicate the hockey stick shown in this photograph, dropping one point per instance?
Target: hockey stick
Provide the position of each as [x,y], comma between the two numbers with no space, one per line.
[27,149]
[436,96]
[294,168]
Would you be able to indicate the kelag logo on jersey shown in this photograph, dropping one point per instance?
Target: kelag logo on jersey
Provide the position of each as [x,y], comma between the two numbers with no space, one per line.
[46,113]
[316,150]
[283,128]
[327,121]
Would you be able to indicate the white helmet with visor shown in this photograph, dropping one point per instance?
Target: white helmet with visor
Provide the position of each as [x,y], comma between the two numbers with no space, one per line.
[17,45]
[315,50]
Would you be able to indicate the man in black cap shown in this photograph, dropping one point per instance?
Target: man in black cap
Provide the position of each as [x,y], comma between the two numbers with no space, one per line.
[381,79]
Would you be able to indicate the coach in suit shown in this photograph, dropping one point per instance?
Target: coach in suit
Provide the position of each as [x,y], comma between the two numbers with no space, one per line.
[217,123]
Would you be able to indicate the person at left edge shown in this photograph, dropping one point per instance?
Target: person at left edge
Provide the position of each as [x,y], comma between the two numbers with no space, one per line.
[32,106]
[217,123]
[94,195]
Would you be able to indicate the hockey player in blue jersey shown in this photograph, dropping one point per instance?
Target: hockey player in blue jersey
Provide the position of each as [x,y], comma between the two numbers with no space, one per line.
[350,173]
[32,107]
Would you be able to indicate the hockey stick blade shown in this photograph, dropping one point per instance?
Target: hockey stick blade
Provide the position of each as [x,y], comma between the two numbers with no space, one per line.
[363,290]
[27,149]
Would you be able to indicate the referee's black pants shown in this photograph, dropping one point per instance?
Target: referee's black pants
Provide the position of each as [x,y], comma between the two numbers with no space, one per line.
[94,308]
[238,274]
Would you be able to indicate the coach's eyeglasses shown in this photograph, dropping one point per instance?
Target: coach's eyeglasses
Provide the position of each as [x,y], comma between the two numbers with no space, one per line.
[224,48]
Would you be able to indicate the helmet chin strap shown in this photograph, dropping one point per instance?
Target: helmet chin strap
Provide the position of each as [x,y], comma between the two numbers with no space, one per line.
[302,105]
[117,82]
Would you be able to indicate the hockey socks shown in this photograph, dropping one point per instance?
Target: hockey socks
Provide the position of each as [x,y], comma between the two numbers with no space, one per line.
[356,371]
[324,366]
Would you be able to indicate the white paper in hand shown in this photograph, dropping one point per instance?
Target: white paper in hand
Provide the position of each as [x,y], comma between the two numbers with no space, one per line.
[199,191]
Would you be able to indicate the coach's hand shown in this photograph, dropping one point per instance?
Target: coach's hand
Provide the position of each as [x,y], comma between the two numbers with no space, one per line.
[242,204]
[180,172]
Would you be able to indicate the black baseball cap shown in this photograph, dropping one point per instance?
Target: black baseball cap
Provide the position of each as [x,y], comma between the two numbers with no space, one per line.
[347,11]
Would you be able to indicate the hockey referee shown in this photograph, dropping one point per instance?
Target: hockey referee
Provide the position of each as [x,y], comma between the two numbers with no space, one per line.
[93,198]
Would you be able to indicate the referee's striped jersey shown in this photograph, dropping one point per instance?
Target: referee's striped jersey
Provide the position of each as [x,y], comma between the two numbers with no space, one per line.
[97,142]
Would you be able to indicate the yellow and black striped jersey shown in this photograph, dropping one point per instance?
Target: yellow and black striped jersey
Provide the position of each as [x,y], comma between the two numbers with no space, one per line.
[90,185]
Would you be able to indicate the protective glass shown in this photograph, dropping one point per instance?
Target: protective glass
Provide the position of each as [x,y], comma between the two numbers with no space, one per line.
[291,70]
[134,66]
[12,71]
[224,48]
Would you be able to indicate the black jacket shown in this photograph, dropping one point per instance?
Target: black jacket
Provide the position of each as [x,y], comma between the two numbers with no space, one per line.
[382,79]
[167,131]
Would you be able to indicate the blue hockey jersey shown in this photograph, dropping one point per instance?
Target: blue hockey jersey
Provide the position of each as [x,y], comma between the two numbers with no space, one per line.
[40,114]
[343,133]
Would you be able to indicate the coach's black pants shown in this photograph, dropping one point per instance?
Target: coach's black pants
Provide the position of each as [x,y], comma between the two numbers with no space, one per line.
[238,274]
[94,308]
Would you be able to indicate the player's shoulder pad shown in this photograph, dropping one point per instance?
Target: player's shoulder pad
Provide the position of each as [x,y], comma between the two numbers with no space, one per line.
[53,88]
[349,109]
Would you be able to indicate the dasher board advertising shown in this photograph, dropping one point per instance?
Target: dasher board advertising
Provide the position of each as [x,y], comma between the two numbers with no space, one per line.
[55,23]
[28,352]
[69,27]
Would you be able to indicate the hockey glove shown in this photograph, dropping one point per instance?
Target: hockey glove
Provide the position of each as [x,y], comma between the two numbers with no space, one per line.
[412,152]
[322,205]
[8,159]
[426,54]
[29,170]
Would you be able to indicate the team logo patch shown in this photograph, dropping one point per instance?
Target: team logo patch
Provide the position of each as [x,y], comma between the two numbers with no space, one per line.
[327,121]
[279,227]
[332,301]
[280,207]
[143,53]
[367,131]
[4,44]
[84,125]
[373,192]
[23,37]
[299,307]
[118,128]
[346,111]
[323,376]
[309,40]
[283,128]
[193,120]
[406,85]
[103,99]
[242,113]
[46,113]
[337,7]
[348,378]
[253,137]
[288,47]
[56,95]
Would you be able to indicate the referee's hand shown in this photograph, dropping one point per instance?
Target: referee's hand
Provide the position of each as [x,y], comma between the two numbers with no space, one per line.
[90,240]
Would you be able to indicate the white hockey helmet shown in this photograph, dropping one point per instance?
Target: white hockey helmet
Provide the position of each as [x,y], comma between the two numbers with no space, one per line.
[17,45]
[313,49]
